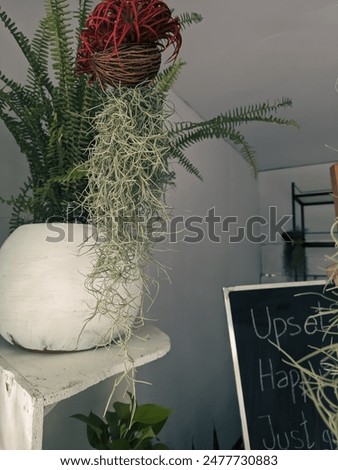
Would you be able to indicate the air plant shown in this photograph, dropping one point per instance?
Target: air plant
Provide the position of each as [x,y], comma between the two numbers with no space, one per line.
[319,368]
[117,26]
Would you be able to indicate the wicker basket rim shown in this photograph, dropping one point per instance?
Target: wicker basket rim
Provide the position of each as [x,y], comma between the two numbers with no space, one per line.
[124,48]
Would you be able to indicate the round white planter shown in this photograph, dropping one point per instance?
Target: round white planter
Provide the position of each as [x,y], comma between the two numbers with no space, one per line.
[44,304]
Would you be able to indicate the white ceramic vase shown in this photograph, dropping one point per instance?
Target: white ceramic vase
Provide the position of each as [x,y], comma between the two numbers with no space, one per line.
[44,304]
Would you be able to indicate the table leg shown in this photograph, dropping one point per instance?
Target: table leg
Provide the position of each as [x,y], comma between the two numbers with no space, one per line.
[21,413]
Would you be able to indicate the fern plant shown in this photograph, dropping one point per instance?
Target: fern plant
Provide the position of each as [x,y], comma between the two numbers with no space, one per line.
[48,115]
[226,126]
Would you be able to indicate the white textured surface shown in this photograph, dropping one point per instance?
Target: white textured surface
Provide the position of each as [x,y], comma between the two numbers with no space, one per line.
[57,376]
[30,381]
[44,303]
[21,412]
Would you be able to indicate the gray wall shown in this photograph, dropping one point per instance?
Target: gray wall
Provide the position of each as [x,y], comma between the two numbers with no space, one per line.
[13,169]
[196,377]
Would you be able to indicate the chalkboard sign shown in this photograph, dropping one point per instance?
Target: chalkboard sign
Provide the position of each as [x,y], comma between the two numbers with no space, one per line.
[275,412]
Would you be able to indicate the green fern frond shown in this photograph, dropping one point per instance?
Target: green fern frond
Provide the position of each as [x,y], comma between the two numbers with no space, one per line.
[227,133]
[263,112]
[85,7]
[17,88]
[88,98]
[187,19]
[25,128]
[225,126]
[73,175]
[166,79]
[40,48]
[8,202]
[182,159]
[247,151]
[70,95]
[18,131]
[24,44]
[50,123]
[62,46]
[18,99]
[22,206]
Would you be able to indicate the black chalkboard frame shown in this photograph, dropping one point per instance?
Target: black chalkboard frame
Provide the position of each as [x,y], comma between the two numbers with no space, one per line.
[230,320]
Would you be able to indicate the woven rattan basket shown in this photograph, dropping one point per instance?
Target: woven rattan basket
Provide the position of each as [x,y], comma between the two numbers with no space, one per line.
[132,65]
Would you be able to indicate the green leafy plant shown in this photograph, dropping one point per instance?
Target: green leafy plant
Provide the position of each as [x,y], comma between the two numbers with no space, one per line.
[49,115]
[129,426]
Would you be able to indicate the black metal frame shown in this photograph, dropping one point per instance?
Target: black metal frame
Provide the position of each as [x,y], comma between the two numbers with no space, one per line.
[305,199]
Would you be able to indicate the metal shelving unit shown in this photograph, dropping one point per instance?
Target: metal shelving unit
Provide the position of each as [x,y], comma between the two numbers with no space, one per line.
[305,199]
[301,255]
[309,239]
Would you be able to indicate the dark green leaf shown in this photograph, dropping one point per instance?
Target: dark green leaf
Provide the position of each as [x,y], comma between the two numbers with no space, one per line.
[94,421]
[187,19]
[123,411]
[120,444]
[146,433]
[157,428]
[151,414]
[113,423]
[160,446]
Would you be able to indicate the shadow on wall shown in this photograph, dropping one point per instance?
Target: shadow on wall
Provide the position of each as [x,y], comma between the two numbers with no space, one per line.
[294,256]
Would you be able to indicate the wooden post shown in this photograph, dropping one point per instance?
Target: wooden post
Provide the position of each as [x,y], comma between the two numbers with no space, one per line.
[334,184]
[332,272]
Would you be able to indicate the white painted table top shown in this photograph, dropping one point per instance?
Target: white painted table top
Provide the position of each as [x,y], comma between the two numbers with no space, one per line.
[58,376]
